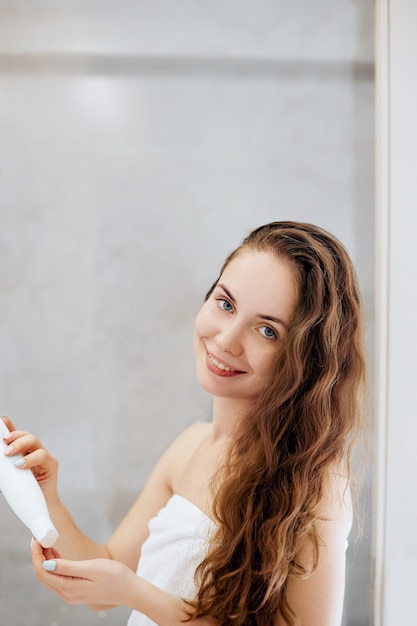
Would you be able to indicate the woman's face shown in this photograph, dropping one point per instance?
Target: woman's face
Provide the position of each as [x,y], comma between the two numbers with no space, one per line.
[239,328]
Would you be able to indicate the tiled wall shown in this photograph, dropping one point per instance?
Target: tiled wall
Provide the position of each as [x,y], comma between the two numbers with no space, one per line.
[139,142]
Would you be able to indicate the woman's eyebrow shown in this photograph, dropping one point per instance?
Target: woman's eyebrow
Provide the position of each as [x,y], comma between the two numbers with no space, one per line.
[277,320]
[269,318]
[227,292]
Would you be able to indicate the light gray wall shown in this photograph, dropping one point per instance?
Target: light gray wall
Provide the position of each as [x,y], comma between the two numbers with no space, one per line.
[139,142]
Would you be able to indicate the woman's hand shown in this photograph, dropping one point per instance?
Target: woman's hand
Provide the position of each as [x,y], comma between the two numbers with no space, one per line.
[93,582]
[102,583]
[43,465]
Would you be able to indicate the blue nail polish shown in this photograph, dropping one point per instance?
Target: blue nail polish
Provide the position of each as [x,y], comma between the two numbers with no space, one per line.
[50,566]
[20,462]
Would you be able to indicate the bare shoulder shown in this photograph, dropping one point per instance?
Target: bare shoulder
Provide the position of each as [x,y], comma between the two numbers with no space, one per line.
[193,434]
[183,447]
[186,443]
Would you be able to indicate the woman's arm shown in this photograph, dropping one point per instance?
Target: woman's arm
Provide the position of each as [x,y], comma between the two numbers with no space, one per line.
[121,553]
[125,543]
[318,599]
[105,582]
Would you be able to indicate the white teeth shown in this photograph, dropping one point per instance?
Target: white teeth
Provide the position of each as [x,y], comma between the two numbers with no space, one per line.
[220,365]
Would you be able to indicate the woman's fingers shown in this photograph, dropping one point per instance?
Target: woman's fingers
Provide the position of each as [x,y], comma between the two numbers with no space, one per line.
[33,457]
[22,441]
[8,422]
[14,434]
[36,459]
[97,582]
[51,553]
[65,578]
[42,560]
[26,444]
[49,560]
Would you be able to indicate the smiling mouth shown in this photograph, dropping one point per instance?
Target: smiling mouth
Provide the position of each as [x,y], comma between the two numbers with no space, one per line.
[221,366]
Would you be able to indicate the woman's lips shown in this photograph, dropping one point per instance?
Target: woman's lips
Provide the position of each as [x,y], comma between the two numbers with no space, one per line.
[221,369]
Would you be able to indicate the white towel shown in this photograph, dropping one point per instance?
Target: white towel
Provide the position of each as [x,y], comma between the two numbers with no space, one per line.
[176,545]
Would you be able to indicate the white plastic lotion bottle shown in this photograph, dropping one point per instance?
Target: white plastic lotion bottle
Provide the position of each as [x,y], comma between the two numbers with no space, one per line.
[25,497]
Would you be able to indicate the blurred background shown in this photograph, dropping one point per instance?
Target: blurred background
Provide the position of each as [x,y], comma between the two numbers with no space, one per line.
[140,141]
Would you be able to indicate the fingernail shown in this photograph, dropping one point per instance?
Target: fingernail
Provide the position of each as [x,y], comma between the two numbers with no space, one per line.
[8,436]
[49,566]
[20,462]
[9,449]
[31,541]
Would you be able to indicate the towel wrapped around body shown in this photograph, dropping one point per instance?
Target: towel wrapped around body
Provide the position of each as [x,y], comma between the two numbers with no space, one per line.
[176,545]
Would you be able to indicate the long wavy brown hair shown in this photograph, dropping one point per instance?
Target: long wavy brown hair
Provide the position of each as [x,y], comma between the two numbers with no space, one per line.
[267,494]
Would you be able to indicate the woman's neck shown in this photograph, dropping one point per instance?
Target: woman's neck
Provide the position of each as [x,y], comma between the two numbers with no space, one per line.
[227,412]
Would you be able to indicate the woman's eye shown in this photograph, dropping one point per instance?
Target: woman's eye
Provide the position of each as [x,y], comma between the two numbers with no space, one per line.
[268,332]
[224,304]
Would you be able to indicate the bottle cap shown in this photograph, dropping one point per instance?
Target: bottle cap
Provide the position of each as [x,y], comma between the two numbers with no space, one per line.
[44,531]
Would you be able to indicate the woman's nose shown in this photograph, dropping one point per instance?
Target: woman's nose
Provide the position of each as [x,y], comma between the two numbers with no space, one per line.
[229,339]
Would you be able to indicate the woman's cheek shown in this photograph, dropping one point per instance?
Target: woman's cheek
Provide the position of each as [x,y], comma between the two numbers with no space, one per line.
[203,321]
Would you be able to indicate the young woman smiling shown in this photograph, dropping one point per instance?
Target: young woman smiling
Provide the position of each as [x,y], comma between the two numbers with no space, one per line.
[244,520]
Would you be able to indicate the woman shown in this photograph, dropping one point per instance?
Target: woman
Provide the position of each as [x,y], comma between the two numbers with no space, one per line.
[244,520]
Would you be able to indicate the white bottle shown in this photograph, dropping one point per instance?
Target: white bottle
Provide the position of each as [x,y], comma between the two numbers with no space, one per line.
[25,497]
